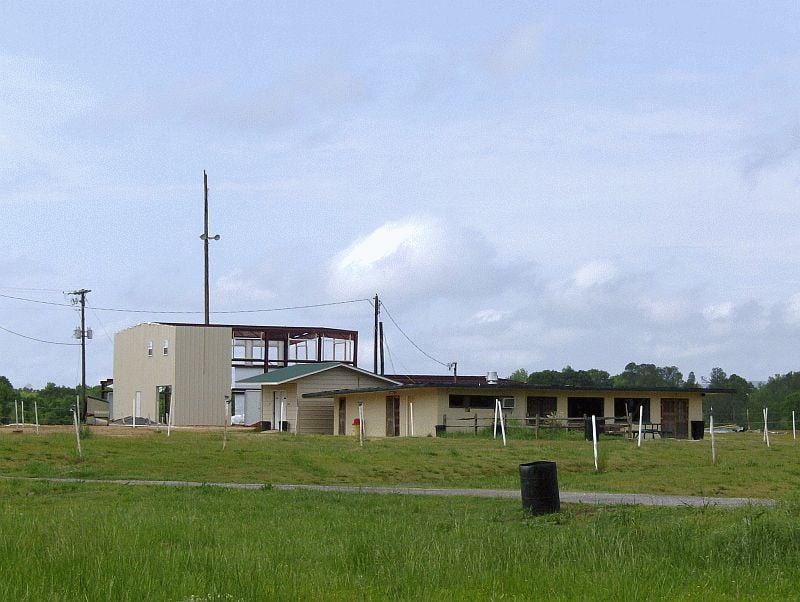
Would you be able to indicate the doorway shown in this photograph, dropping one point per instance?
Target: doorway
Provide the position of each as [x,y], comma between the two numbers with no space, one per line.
[392,415]
[164,397]
[342,415]
[675,418]
[278,401]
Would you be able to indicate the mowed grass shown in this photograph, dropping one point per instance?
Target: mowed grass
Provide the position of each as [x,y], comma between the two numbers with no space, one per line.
[111,542]
[745,466]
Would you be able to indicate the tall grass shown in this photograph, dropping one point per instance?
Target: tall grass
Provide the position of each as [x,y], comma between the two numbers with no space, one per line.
[89,542]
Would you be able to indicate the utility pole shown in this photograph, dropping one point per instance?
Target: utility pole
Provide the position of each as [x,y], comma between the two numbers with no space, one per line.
[380,338]
[205,238]
[82,335]
[376,334]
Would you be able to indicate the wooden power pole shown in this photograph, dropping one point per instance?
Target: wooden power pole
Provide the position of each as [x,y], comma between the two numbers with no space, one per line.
[82,300]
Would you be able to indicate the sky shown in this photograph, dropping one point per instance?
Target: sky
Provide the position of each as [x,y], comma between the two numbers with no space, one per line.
[525,184]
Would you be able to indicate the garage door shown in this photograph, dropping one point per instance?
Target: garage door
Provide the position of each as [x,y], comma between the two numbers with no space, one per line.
[315,416]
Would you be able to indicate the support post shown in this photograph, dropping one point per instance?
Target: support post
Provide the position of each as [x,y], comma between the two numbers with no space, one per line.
[77,430]
[594,443]
[36,415]
[361,424]
[639,444]
[713,443]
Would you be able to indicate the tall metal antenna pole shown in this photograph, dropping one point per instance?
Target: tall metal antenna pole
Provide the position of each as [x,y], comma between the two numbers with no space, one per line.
[205,238]
[82,294]
[375,337]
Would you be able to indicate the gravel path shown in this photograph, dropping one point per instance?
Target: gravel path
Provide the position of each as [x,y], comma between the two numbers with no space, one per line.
[567,497]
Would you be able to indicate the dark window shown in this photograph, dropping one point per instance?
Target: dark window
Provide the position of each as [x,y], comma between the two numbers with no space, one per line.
[480,402]
[577,407]
[541,406]
[633,404]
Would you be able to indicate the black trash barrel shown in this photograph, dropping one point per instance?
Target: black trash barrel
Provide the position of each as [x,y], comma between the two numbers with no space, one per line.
[587,428]
[698,428]
[266,425]
[441,429]
[539,484]
[285,426]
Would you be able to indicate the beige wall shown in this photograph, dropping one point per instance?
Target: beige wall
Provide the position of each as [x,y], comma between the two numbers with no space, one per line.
[268,403]
[197,367]
[202,375]
[135,371]
[431,405]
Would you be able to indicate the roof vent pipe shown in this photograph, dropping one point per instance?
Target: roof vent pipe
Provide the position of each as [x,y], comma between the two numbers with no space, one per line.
[491,378]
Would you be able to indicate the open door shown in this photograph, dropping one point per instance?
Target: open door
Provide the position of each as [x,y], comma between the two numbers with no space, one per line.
[342,415]
[164,394]
[392,415]
[675,418]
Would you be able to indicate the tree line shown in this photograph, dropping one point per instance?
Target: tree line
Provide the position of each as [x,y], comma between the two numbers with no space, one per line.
[741,405]
[53,402]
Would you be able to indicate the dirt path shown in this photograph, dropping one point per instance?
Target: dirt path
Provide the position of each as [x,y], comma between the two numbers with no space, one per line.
[567,497]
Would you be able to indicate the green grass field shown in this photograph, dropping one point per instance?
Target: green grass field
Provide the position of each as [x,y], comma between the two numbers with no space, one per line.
[111,542]
[745,466]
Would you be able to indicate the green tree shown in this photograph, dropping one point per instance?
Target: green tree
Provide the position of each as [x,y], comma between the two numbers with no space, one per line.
[775,394]
[519,375]
[648,375]
[6,400]
[568,376]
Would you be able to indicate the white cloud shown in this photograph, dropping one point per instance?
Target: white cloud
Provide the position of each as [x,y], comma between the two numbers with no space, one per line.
[594,273]
[659,310]
[792,310]
[235,289]
[420,257]
[488,316]
[720,311]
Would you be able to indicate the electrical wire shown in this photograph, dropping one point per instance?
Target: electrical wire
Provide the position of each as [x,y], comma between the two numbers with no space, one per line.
[408,338]
[174,312]
[37,301]
[34,338]
[97,317]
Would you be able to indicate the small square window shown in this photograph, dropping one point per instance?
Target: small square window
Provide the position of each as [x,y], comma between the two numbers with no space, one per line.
[165,347]
[149,348]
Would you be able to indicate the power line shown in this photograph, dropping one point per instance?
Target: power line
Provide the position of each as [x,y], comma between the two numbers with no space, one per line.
[37,301]
[408,338]
[175,312]
[97,317]
[35,339]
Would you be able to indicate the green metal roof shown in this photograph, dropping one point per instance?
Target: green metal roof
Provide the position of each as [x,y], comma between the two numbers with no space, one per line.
[290,373]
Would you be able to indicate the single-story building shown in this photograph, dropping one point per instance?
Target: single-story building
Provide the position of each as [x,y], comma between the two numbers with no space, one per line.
[388,409]
[283,394]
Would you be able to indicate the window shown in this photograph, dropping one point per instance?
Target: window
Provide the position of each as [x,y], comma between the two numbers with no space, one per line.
[624,406]
[480,402]
[165,347]
[149,348]
[541,406]
[507,403]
